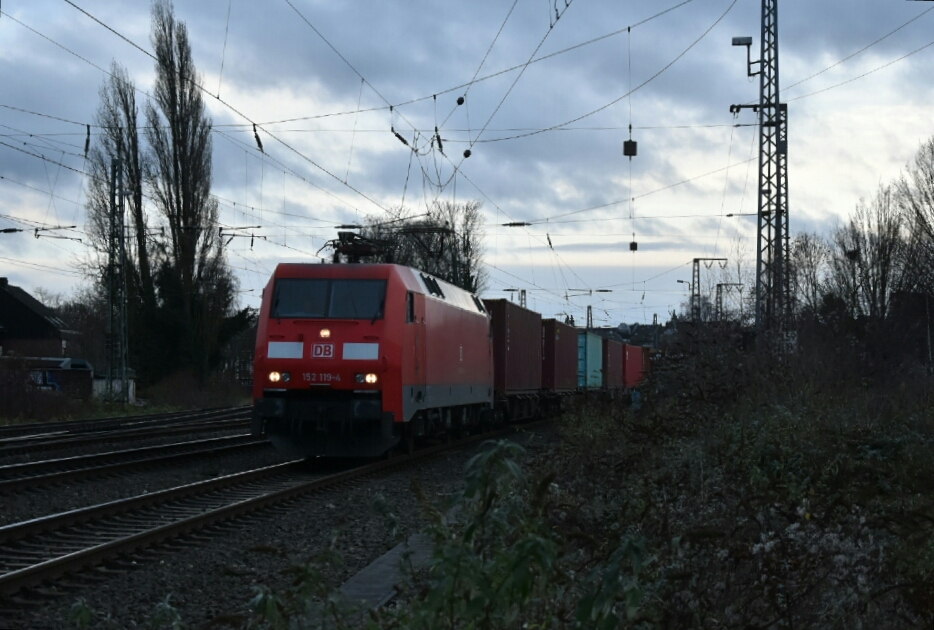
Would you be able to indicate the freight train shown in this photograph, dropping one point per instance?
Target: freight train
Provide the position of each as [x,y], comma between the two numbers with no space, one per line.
[355,360]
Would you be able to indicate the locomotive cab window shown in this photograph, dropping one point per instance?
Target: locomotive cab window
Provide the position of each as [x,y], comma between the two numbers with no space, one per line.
[329,299]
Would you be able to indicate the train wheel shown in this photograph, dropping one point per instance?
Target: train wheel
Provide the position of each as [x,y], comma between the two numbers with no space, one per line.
[486,420]
[461,424]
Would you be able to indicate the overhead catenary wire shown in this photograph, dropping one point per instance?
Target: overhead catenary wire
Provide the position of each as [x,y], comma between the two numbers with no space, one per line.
[142,92]
[62,165]
[410,156]
[551,219]
[525,67]
[492,44]
[863,75]
[485,196]
[636,89]
[41,267]
[220,75]
[353,137]
[498,73]
[467,87]
[234,109]
[861,50]
[726,185]
[144,51]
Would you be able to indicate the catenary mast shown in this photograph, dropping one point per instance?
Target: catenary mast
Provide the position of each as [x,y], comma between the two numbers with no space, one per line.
[772,291]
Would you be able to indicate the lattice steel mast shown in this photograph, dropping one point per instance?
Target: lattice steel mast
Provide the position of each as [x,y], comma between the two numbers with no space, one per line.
[117,337]
[695,286]
[772,290]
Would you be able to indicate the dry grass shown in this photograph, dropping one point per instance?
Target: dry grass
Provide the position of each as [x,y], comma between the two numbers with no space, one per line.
[23,402]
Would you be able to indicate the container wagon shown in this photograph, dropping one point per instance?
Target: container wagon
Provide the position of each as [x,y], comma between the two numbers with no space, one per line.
[589,360]
[633,369]
[559,363]
[612,365]
[517,359]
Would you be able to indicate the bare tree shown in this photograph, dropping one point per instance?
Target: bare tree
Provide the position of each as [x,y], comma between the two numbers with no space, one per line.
[447,241]
[809,257]
[916,201]
[466,220]
[117,117]
[866,264]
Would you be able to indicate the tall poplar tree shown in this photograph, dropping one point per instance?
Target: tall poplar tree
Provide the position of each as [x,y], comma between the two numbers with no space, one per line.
[196,287]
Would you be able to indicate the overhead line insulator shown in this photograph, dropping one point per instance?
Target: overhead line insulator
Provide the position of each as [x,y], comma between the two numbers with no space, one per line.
[401,139]
[259,143]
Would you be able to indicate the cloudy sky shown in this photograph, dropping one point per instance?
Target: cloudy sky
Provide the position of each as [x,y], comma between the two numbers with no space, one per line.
[547,108]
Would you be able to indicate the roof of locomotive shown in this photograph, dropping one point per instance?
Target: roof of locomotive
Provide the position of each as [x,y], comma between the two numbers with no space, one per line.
[413,279]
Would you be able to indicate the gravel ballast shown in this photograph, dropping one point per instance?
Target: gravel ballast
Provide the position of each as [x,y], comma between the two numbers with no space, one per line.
[216,573]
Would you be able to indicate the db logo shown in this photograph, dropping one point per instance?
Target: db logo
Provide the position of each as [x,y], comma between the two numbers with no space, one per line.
[322,350]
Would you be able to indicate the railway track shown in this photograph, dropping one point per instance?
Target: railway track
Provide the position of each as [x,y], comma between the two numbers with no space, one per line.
[43,549]
[45,440]
[11,431]
[30,475]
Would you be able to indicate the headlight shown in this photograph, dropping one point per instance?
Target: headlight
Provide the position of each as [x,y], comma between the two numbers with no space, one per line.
[370,378]
[325,333]
[274,377]
[286,377]
[366,378]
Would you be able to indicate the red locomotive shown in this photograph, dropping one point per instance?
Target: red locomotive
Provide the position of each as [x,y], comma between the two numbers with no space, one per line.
[352,360]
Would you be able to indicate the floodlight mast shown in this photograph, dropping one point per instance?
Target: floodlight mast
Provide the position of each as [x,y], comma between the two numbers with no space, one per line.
[772,291]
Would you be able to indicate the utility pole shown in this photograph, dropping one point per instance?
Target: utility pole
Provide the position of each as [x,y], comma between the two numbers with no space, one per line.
[695,287]
[720,286]
[772,291]
[589,317]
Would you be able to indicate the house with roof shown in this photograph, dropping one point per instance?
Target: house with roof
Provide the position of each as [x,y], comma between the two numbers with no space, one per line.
[38,340]
[31,329]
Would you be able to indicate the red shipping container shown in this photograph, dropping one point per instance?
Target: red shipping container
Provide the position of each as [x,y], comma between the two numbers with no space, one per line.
[632,371]
[559,356]
[517,347]
[612,364]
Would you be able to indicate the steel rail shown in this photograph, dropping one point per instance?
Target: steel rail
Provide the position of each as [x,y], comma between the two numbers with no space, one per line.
[74,426]
[32,475]
[65,441]
[21,542]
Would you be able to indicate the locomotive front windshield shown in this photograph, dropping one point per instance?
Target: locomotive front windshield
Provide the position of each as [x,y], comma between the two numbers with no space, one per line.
[329,299]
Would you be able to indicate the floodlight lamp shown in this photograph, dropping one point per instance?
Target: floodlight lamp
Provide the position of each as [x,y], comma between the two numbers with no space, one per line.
[742,41]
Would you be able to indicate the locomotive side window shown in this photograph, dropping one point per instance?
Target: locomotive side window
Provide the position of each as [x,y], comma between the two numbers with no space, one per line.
[329,299]
[409,308]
